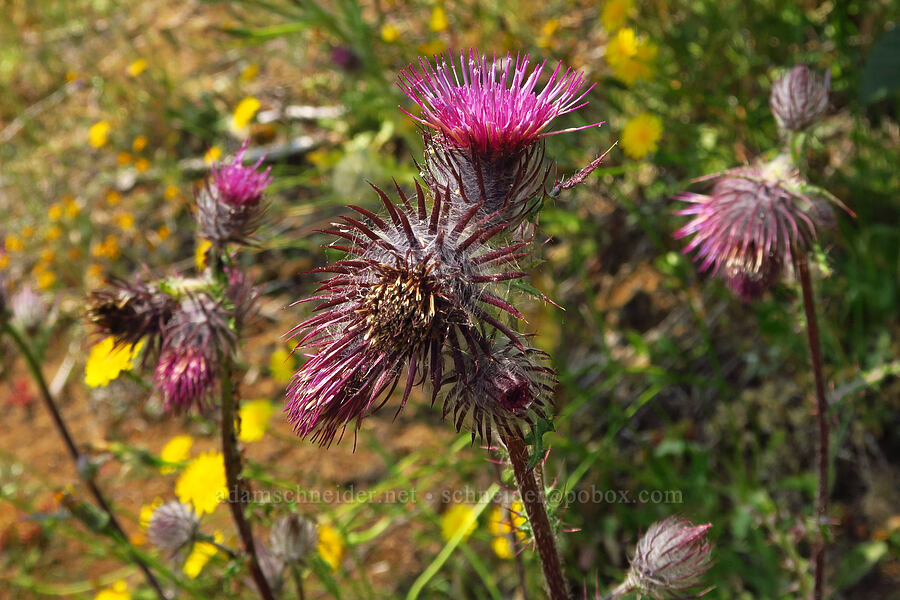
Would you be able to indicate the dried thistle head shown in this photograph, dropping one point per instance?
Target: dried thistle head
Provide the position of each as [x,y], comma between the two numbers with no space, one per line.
[173,526]
[409,282]
[230,203]
[131,311]
[671,559]
[754,221]
[293,538]
[799,98]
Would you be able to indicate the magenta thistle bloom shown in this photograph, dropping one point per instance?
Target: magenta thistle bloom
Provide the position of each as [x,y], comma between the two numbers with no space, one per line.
[497,388]
[671,559]
[799,98]
[491,107]
[754,220]
[409,283]
[185,376]
[229,206]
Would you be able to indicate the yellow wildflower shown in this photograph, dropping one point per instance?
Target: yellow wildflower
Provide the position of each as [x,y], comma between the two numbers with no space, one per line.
[615,13]
[74,253]
[281,365]
[72,208]
[435,46]
[200,555]
[147,511]
[98,134]
[137,67]
[118,591]
[438,20]
[545,39]
[142,165]
[55,212]
[113,197]
[123,158]
[631,56]
[458,517]
[244,112]
[200,253]
[202,483]
[109,248]
[640,135]
[71,76]
[390,33]
[125,221]
[94,274]
[171,192]
[502,547]
[27,231]
[47,255]
[212,155]
[4,261]
[14,243]
[500,528]
[139,143]
[250,72]
[331,546]
[255,417]
[176,450]
[53,233]
[46,279]
[105,362]
[164,232]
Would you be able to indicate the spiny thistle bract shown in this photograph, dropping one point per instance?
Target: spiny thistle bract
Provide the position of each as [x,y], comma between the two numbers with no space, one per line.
[229,205]
[671,559]
[488,120]
[409,284]
[131,311]
[754,221]
[799,98]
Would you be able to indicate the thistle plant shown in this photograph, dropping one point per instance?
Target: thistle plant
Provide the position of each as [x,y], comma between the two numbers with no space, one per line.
[760,220]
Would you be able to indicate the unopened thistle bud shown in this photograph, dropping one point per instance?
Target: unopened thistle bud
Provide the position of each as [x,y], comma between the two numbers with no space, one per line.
[799,98]
[293,538]
[173,526]
[670,560]
[755,220]
[230,204]
[28,308]
[489,121]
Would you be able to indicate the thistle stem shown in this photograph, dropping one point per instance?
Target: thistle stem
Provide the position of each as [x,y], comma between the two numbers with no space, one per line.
[535,507]
[35,368]
[812,330]
[237,493]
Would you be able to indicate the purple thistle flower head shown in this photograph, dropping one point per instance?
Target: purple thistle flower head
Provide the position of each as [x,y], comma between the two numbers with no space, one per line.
[229,205]
[194,339]
[410,283]
[671,559]
[799,98]
[500,388]
[491,107]
[754,221]
[131,311]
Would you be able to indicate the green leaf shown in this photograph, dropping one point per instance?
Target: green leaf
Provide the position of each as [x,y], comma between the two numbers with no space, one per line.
[535,439]
[881,75]
[858,562]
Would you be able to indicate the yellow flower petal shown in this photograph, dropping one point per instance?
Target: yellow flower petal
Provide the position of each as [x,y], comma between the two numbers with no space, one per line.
[105,362]
[458,517]
[255,417]
[139,143]
[200,254]
[212,155]
[200,555]
[390,33]
[147,511]
[98,134]
[137,67]
[244,112]
[118,591]
[640,135]
[615,13]
[281,364]
[502,547]
[202,483]
[176,450]
[438,20]
[250,72]
[331,546]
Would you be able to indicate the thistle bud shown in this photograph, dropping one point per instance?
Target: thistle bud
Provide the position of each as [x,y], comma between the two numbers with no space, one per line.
[229,206]
[172,526]
[130,311]
[28,308]
[293,538]
[670,560]
[799,98]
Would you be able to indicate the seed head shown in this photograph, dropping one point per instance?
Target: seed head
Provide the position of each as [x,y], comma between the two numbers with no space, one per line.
[671,559]
[173,526]
[754,221]
[799,98]
[230,204]
[408,283]
[293,538]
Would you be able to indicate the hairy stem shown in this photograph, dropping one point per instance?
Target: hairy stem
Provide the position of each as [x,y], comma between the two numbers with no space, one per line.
[812,330]
[35,368]
[535,507]
[237,493]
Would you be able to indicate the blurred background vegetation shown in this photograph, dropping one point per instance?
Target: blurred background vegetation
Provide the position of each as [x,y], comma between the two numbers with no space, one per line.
[111,112]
